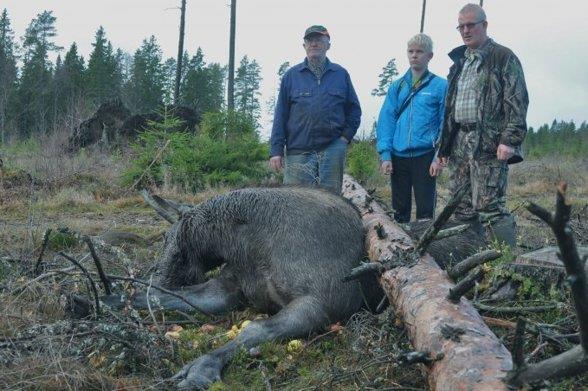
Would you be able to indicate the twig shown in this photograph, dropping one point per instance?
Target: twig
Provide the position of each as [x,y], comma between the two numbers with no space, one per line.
[103,278]
[516,310]
[431,232]
[92,285]
[156,158]
[471,262]
[499,322]
[149,305]
[43,247]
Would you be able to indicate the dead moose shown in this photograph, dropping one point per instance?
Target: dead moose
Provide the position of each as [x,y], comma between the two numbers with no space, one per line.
[284,251]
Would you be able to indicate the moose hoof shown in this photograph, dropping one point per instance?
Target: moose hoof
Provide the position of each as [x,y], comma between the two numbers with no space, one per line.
[199,374]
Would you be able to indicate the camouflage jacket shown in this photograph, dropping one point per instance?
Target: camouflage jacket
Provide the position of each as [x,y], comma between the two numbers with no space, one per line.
[503,101]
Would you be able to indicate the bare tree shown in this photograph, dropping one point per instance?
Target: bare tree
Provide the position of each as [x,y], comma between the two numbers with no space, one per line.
[231,86]
[180,53]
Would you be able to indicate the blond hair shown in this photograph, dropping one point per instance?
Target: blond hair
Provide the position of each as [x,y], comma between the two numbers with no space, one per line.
[423,40]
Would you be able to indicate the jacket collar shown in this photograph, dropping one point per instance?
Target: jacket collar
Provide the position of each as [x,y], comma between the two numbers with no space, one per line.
[328,65]
[458,53]
[408,76]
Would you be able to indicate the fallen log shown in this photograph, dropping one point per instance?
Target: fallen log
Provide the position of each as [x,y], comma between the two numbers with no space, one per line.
[474,358]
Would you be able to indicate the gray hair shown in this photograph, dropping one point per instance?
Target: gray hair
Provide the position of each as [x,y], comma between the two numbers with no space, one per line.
[423,40]
[474,8]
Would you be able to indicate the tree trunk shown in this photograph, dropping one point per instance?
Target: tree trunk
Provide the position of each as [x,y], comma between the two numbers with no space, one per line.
[180,54]
[474,358]
[231,81]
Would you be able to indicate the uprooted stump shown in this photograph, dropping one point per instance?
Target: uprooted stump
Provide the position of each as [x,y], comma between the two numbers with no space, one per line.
[474,358]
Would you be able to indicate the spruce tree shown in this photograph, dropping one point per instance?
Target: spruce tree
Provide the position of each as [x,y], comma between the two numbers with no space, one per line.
[144,90]
[103,77]
[68,84]
[8,76]
[203,86]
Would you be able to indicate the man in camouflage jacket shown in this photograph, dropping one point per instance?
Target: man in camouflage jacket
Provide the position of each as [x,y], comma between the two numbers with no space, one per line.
[484,125]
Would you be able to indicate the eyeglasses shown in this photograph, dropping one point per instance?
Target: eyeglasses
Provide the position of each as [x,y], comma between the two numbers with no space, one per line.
[470,26]
[316,38]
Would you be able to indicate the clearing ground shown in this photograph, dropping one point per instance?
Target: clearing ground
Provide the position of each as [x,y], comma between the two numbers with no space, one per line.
[42,347]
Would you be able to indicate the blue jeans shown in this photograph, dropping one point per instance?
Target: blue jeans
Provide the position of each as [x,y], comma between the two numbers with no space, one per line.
[323,168]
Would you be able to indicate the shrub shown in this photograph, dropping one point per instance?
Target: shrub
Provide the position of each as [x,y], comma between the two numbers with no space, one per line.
[362,160]
[227,150]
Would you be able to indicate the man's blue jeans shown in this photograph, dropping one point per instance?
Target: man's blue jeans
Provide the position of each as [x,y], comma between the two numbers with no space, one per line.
[323,168]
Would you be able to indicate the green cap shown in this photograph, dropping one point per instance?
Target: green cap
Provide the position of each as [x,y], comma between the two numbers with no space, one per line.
[316,29]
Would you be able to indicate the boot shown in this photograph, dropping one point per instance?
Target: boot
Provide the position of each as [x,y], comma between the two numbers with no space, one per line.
[503,230]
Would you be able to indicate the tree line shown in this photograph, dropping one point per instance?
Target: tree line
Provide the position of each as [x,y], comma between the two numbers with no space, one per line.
[38,95]
[561,138]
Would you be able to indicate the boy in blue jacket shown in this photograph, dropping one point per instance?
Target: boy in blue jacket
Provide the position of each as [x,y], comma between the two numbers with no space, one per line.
[407,132]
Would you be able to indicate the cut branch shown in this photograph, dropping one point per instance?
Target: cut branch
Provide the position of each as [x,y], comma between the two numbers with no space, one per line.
[465,285]
[431,232]
[471,262]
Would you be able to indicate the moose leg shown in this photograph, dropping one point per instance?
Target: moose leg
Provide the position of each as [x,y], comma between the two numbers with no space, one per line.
[213,297]
[299,318]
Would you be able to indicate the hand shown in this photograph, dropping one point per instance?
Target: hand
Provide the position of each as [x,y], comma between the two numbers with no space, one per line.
[276,163]
[386,167]
[344,139]
[504,152]
[435,168]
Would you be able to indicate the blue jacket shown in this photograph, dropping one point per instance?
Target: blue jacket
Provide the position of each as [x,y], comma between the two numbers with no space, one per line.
[311,113]
[417,130]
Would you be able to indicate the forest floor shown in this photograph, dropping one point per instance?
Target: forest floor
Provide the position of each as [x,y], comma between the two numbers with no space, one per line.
[43,347]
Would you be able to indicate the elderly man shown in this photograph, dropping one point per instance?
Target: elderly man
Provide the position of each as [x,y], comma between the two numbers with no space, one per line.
[317,115]
[407,131]
[484,125]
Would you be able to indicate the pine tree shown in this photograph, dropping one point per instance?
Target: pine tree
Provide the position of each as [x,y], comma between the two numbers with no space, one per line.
[386,78]
[104,76]
[169,69]
[144,91]
[247,92]
[34,92]
[8,76]
[271,102]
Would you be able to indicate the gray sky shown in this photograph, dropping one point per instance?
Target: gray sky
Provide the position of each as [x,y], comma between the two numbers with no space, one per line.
[549,37]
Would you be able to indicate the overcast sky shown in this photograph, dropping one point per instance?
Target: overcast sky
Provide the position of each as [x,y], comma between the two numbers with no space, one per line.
[549,37]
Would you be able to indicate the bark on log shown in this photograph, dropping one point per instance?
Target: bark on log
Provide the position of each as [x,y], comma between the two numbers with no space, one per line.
[476,360]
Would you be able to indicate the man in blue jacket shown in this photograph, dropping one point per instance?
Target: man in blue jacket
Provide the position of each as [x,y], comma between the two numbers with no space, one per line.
[316,117]
[407,132]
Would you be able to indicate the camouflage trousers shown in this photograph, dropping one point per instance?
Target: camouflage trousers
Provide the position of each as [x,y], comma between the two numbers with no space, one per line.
[486,177]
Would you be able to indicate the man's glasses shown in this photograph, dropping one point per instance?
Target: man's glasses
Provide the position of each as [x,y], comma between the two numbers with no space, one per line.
[316,38]
[470,26]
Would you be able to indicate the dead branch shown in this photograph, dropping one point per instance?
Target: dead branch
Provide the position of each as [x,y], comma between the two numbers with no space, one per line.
[575,360]
[518,358]
[517,310]
[90,280]
[363,269]
[43,247]
[431,232]
[471,262]
[103,277]
[465,285]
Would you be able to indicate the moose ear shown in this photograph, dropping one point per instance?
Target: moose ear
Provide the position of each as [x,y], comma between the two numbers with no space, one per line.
[169,210]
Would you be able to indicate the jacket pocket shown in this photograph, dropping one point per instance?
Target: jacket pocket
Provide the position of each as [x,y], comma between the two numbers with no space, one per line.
[335,105]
